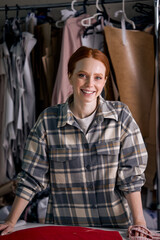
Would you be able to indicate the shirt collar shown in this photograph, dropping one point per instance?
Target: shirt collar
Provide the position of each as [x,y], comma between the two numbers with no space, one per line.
[106,109]
[65,115]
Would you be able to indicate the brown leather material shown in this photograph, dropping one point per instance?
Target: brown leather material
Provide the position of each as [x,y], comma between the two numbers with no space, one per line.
[151,145]
[151,169]
[133,64]
[8,187]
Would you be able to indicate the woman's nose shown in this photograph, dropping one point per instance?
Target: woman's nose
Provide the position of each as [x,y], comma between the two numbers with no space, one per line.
[89,81]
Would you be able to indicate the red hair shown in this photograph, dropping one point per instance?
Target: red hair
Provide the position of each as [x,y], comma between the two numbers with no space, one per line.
[85,52]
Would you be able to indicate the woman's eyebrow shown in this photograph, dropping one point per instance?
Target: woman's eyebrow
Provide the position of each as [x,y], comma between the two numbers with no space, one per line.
[98,74]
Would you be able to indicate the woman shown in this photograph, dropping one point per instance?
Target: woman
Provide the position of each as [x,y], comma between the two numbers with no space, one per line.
[89,151]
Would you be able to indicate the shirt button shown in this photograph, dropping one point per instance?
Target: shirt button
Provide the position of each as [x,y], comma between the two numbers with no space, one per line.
[90,186]
[85,145]
[88,167]
[94,206]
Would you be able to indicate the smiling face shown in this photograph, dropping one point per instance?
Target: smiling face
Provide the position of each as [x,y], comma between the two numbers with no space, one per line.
[88,80]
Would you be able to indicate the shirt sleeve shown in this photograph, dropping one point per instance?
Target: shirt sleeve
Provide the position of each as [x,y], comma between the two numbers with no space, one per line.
[34,176]
[133,155]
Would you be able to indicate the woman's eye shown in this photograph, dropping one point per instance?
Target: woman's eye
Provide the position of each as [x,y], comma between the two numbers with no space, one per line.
[81,75]
[98,78]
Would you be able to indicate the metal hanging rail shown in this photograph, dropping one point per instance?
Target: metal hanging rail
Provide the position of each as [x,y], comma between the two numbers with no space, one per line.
[57,5]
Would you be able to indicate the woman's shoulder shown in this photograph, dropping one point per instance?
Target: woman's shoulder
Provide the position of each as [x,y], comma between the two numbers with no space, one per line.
[52,111]
[118,106]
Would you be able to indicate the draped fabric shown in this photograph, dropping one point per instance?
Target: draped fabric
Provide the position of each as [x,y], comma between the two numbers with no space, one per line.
[134,68]
[60,232]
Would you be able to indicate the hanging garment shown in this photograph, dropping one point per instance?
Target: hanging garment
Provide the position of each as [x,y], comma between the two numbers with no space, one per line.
[48,66]
[31,22]
[94,40]
[20,103]
[28,43]
[133,64]
[3,89]
[56,49]
[71,41]
[9,131]
[21,112]
[43,36]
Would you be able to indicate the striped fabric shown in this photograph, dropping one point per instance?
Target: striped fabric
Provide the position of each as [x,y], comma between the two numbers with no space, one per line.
[88,174]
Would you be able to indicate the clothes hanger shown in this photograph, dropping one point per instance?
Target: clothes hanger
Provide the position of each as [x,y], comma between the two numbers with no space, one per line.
[72,6]
[106,19]
[145,16]
[66,14]
[5,27]
[6,12]
[97,6]
[17,11]
[82,10]
[31,16]
[87,22]
[100,21]
[124,16]
[144,9]
[124,19]
[42,16]
[16,26]
[106,16]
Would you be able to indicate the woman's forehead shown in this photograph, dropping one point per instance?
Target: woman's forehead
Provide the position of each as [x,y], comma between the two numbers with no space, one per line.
[87,64]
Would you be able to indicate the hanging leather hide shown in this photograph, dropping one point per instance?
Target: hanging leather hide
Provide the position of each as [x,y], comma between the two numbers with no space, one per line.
[133,64]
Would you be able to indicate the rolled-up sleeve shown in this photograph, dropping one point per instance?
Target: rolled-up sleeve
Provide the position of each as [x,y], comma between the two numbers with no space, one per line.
[133,156]
[34,175]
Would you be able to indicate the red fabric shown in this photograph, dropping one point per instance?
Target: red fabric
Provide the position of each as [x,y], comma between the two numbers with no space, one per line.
[59,233]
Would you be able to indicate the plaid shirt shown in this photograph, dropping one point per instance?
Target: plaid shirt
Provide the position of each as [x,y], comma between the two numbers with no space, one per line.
[88,174]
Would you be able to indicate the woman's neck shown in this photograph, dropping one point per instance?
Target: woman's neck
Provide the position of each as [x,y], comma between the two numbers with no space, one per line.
[84,110]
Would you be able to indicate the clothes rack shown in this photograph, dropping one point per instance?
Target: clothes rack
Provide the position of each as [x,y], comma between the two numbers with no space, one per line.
[156,11]
[57,5]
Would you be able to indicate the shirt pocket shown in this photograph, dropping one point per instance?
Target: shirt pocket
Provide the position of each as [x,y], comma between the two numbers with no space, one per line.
[107,162]
[108,152]
[66,166]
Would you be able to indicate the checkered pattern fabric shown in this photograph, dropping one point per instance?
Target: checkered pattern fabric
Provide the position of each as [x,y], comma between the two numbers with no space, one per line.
[88,173]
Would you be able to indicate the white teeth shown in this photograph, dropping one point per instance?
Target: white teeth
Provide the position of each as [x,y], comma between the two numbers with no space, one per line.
[87,91]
